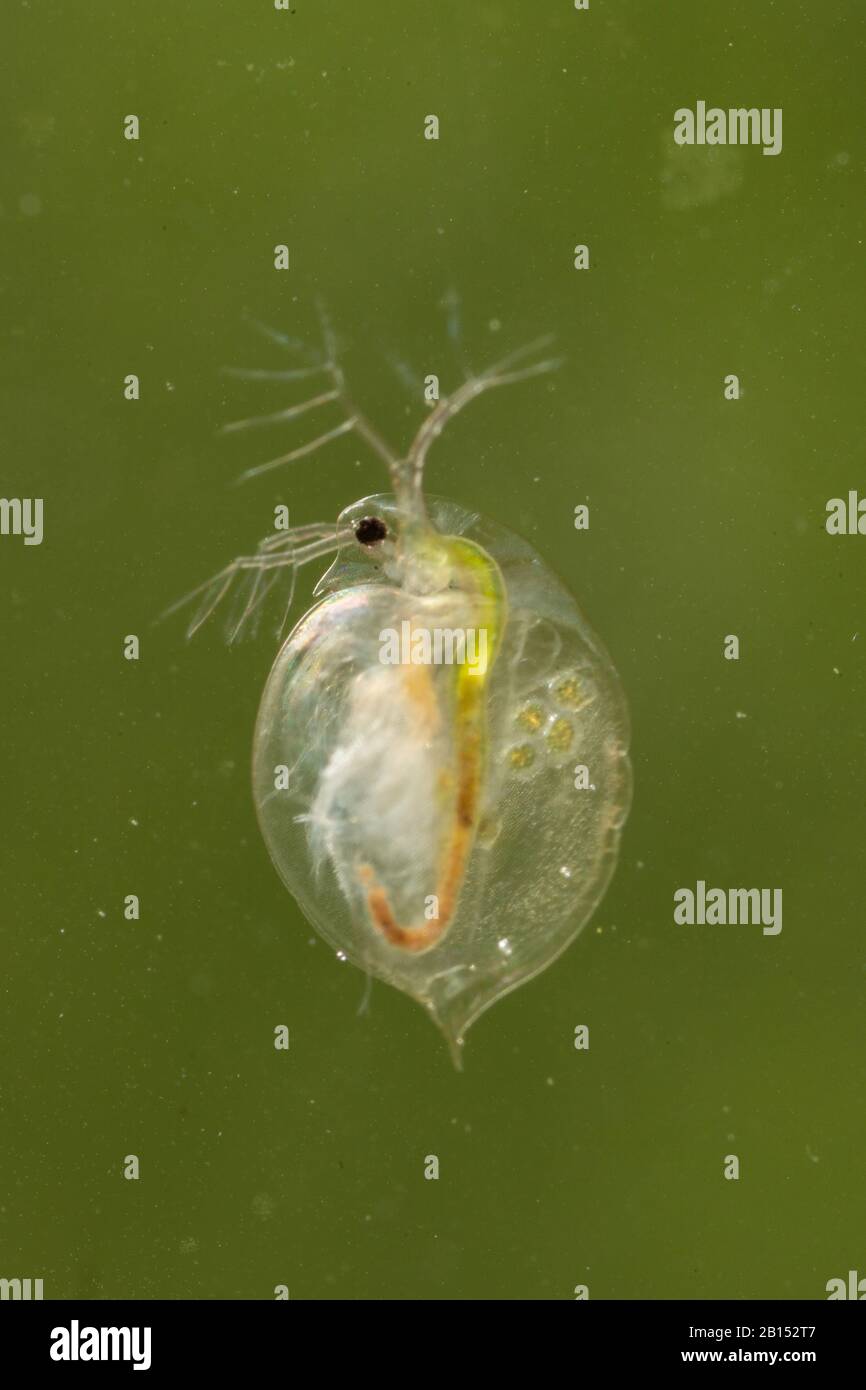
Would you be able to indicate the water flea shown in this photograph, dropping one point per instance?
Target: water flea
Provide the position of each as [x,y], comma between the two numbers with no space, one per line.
[414,747]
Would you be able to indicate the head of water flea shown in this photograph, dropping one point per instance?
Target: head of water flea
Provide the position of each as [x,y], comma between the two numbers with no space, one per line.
[398,536]
[409,550]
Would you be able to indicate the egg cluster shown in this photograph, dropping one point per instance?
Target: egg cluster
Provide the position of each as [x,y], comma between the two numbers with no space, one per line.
[544,730]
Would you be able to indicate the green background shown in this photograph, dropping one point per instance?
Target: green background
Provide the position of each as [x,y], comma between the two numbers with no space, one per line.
[155,1037]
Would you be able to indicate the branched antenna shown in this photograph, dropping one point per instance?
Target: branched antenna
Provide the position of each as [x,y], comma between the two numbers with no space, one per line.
[502,373]
[259,573]
[406,473]
[329,366]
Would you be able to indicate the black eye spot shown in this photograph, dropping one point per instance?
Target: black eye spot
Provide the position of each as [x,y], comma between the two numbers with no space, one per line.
[370,529]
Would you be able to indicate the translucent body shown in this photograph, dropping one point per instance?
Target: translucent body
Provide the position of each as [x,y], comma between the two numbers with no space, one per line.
[375,803]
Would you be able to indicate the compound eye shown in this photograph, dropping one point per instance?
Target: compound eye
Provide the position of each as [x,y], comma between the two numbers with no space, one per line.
[370,530]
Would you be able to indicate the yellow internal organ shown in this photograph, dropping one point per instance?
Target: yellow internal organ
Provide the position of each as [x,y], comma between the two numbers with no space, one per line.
[480,575]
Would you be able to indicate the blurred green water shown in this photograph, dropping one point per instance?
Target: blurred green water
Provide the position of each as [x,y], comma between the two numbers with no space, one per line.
[155,1037]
